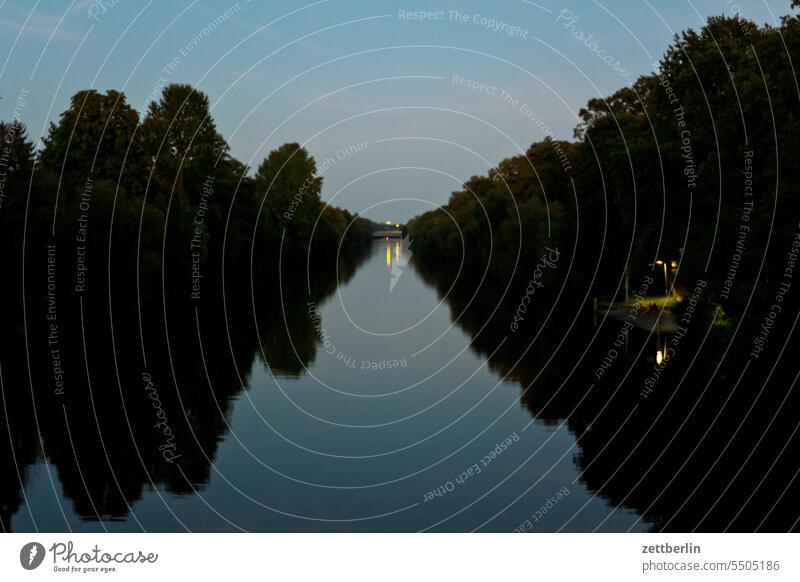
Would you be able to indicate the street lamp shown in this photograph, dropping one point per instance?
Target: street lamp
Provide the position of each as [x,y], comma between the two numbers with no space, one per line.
[666,279]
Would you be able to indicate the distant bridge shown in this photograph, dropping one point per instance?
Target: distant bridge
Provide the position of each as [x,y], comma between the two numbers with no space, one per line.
[388,233]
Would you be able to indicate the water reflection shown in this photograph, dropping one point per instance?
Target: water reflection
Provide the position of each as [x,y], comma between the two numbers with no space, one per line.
[147,394]
[266,423]
[400,260]
[674,429]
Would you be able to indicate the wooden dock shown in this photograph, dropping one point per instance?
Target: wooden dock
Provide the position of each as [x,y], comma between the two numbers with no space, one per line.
[650,319]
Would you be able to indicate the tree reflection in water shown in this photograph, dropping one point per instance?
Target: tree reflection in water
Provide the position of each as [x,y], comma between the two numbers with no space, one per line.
[146,401]
[713,447]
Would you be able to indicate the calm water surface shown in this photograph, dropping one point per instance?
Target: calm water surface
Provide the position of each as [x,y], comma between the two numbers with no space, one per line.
[395,424]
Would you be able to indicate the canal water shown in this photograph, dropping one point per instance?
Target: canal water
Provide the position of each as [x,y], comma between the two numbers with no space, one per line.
[395,423]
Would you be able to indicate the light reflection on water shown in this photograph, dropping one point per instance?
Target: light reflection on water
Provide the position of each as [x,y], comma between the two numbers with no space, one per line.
[372,433]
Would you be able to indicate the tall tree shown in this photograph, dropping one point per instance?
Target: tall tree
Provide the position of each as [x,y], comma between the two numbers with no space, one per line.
[288,183]
[94,139]
[16,167]
[181,138]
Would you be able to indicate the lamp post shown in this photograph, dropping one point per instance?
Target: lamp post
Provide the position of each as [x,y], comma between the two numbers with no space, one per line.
[666,277]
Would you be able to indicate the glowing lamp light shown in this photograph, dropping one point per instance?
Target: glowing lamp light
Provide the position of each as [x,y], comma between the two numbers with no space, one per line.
[659,357]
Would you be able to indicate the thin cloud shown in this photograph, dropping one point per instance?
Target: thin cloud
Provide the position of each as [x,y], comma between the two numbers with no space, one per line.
[40,25]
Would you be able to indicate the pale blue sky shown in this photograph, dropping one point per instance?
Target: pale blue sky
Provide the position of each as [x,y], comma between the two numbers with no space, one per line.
[335,73]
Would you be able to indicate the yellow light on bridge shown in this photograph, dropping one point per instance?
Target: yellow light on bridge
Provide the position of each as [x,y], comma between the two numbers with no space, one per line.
[397,225]
[389,222]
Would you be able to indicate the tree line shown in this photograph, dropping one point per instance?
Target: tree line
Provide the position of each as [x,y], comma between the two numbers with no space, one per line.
[162,194]
[695,163]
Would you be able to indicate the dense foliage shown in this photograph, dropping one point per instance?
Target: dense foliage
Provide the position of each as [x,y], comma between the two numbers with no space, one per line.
[161,196]
[696,163]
